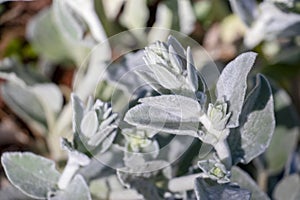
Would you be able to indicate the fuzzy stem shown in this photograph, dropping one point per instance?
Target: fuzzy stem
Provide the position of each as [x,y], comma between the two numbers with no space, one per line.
[262,174]
[58,131]
[224,154]
[262,180]
[68,173]
[221,147]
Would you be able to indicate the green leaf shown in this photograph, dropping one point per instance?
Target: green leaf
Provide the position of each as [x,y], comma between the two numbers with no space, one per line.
[137,165]
[34,175]
[285,135]
[123,74]
[77,190]
[42,32]
[50,96]
[112,8]
[13,71]
[145,116]
[132,17]
[105,143]
[177,46]
[165,77]
[272,22]
[187,17]
[60,29]
[277,158]
[141,176]
[207,189]
[12,77]
[101,187]
[11,193]
[288,188]
[191,71]
[37,103]
[143,185]
[89,124]
[150,79]
[177,105]
[168,113]
[232,85]
[25,104]
[165,16]
[78,112]
[63,18]
[22,98]
[257,124]
[245,181]
[245,9]
[86,10]
[51,99]
[71,29]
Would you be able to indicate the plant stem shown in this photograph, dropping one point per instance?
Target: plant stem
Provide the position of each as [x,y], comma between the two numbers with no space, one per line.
[262,174]
[68,173]
[224,153]
[221,146]
[57,131]
[262,180]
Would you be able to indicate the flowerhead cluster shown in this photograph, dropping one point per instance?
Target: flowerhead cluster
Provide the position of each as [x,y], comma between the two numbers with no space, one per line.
[217,113]
[215,170]
[172,66]
[95,125]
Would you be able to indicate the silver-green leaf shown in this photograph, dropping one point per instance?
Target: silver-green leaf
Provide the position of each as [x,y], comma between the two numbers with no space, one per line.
[257,124]
[178,105]
[245,181]
[167,113]
[25,104]
[32,174]
[232,85]
[288,188]
[207,189]
[285,134]
[246,9]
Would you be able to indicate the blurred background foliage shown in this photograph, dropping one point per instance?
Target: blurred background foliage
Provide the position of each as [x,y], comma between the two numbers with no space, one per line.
[44,43]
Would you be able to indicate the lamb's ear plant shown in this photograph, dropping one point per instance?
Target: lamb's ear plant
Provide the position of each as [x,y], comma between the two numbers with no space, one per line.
[235,120]
[239,125]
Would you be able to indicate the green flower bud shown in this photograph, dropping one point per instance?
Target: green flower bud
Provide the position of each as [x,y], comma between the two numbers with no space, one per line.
[172,66]
[215,169]
[95,125]
[218,115]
